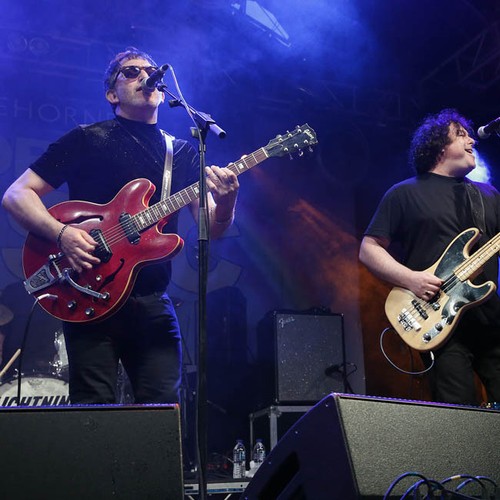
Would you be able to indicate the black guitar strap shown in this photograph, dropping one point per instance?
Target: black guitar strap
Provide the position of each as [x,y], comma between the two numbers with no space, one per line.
[476,205]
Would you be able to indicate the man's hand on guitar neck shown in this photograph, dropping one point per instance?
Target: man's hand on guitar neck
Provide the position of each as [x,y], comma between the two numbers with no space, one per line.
[224,186]
[77,246]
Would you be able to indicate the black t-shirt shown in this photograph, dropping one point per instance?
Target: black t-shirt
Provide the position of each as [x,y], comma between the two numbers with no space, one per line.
[97,160]
[423,214]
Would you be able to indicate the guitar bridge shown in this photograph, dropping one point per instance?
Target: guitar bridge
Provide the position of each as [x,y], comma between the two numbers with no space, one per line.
[43,277]
[408,322]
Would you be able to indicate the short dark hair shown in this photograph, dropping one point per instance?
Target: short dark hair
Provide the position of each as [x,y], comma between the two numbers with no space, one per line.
[432,136]
[117,62]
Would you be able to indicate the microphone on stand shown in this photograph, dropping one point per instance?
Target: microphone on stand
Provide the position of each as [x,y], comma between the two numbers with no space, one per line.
[486,130]
[151,82]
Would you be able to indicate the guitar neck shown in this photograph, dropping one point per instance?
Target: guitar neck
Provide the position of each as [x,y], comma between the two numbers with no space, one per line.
[477,260]
[175,202]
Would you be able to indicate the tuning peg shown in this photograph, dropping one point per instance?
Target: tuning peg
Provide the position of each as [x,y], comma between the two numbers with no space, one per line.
[301,153]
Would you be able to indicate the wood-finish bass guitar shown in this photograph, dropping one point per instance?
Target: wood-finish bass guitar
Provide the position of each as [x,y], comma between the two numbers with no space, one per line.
[425,326]
[129,237]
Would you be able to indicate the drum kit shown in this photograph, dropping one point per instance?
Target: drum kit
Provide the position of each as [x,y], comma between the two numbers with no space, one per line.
[47,385]
[49,388]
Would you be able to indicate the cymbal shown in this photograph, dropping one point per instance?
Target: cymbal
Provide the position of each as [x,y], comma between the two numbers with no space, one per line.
[6,315]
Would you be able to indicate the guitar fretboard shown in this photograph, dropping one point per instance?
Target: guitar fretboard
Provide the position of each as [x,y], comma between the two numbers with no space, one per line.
[477,260]
[163,208]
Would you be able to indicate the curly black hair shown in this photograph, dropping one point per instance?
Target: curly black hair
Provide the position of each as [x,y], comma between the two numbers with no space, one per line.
[432,136]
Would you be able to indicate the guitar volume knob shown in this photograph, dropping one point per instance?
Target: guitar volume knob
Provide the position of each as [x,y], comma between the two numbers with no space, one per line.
[71,305]
[89,312]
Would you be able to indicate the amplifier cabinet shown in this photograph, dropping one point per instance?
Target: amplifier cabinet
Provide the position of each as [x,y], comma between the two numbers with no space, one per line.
[302,355]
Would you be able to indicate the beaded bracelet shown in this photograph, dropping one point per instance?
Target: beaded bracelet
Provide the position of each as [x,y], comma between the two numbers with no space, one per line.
[59,236]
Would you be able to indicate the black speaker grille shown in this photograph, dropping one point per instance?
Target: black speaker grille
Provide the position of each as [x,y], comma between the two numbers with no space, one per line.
[304,354]
[350,447]
[400,436]
[96,452]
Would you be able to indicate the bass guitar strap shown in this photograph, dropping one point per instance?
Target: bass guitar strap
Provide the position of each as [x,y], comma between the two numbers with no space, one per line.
[476,205]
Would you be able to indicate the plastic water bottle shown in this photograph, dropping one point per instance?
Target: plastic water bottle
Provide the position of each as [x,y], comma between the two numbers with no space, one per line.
[259,453]
[239,460]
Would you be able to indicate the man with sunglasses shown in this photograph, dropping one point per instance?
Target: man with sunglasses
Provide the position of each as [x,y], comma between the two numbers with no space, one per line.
[96,161]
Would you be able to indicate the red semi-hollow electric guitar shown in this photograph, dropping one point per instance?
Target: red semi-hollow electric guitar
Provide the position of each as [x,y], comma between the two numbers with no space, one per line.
[129,237]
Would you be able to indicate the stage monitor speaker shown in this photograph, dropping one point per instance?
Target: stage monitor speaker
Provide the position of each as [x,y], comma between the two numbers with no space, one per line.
[91,452]
[304,354]
[349,447]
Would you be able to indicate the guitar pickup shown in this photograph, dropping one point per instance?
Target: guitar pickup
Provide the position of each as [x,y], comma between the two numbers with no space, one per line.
[102,250]
[129,228]
[420,309]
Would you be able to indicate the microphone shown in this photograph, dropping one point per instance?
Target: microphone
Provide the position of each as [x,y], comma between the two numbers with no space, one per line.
[150,83]
[486,130]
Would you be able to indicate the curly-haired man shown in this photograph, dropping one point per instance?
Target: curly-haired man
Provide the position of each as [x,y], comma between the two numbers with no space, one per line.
[422,215]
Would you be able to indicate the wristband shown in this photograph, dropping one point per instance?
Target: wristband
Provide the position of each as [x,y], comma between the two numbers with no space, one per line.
[59,236]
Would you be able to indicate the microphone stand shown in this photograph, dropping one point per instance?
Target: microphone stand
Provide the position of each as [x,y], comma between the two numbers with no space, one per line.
[203,120]
[204,123]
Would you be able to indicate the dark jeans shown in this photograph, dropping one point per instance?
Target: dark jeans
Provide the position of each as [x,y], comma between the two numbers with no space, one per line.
[472,348]
[144,334]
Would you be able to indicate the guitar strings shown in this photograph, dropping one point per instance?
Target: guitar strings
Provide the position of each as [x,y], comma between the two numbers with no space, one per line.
[175,202]
[164,208]
[481,256]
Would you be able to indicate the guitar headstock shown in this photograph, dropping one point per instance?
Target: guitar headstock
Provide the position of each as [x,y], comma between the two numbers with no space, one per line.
[299,138]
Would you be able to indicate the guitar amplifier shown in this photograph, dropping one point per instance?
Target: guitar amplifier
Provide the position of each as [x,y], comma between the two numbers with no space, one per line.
[303,354]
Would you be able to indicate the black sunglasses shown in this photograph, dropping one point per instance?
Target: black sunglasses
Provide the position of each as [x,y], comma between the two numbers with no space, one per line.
[134,71]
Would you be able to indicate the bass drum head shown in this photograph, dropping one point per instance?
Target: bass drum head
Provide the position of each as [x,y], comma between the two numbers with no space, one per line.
[35,391]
